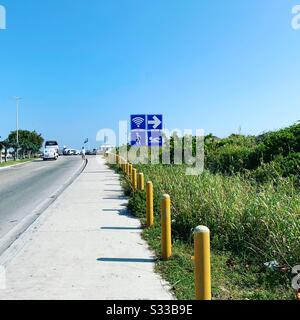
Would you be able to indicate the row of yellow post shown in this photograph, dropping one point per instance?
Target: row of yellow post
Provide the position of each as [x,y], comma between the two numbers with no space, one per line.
[201,233]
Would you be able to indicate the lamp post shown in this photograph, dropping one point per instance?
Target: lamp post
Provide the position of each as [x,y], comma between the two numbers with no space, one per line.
[17,124]
[0,152]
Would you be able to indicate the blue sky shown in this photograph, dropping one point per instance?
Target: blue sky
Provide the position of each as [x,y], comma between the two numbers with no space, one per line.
[81,66]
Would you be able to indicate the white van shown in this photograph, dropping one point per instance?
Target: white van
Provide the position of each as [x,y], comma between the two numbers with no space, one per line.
[51,150]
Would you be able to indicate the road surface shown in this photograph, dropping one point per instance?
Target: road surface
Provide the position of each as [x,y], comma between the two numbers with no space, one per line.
[23,188]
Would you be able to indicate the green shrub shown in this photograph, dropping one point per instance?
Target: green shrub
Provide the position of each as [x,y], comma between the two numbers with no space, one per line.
[281,167]
[290,165]
[280,143]
[230,159]
[239,153]
[267,172]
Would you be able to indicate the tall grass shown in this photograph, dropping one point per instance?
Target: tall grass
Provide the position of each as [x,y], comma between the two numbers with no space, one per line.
[259,222]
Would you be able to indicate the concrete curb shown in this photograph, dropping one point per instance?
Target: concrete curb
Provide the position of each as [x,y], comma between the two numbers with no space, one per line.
[8,240]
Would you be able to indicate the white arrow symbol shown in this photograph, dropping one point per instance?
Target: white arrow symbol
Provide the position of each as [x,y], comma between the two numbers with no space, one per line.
[156,122]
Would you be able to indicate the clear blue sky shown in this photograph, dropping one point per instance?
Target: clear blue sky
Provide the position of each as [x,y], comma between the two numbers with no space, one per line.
[81,66]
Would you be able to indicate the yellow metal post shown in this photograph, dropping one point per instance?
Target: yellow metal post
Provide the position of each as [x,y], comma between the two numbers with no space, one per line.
[130,172]
[128,169]
[166,237]
[202,263]
[149,204]
[129,175]
[134,179]
[141,182]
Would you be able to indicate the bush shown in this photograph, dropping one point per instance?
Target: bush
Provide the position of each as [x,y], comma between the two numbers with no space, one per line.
[280,143]
[290,165]
[238,153]
[267,172]
[230,159]
[281,167]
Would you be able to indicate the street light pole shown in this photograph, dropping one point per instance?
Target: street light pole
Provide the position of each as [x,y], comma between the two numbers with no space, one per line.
[17,124]
[0,152]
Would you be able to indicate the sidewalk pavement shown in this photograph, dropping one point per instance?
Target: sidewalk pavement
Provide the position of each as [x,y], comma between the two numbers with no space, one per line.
[84,246]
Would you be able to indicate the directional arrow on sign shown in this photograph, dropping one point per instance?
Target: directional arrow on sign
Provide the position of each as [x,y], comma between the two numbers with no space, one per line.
[155,122]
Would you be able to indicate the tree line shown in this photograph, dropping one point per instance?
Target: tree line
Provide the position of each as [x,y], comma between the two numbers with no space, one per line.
[30,143]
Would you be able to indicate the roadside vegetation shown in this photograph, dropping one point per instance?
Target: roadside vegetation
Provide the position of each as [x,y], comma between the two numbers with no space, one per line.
[249,197]
[30,143]
[12,162]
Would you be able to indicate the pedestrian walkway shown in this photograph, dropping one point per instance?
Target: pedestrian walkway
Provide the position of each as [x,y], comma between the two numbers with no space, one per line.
[84,246]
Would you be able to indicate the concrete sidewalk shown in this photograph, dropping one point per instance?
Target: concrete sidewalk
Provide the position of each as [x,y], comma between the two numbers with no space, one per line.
[84,246]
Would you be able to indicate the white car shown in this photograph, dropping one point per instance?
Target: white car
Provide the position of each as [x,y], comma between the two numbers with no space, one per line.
[51,151]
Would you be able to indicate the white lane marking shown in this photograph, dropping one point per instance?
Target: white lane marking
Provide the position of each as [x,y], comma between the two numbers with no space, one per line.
[41,168]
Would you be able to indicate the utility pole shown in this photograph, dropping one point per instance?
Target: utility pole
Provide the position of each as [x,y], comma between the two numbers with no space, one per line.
[17,124]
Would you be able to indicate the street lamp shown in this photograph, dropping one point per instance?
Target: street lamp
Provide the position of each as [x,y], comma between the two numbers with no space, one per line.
[0,152]
[17,124]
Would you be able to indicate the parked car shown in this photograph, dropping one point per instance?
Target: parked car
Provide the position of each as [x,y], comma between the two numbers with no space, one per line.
[91,152]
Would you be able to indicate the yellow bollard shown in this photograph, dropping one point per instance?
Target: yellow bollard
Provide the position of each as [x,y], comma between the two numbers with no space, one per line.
[134,179]
[149,204]
[202,263]
[166,237]
[129,171]
[141,182]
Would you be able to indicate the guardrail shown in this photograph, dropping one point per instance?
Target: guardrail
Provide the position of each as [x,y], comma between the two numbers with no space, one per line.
[202,261]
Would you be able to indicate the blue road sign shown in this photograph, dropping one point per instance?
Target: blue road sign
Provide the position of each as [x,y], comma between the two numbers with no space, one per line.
[155,138]
[154,122]
[139,138]
[146,130]
[138,122]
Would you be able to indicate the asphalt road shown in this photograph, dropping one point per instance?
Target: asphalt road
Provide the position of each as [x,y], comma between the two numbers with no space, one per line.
[25,187]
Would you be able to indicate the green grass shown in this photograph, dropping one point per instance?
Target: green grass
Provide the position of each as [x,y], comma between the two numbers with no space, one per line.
[232,278]
[11,162]
[249,224]
[259,222]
